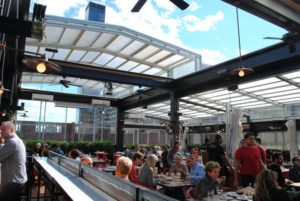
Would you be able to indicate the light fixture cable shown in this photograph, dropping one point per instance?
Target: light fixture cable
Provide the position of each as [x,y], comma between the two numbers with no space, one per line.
[239,35]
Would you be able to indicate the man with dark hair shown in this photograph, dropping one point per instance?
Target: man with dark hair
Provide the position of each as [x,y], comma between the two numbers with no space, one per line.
[248,162]
[137,161]
[294,173]
[217,153]
[277,160]
[13,160]
[171,152]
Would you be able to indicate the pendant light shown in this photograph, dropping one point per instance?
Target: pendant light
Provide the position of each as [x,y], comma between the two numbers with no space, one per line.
[241,71]
[40,63]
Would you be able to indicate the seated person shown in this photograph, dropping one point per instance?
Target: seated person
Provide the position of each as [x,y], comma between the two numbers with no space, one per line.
[178,167]
[87,160]
[210,181]
[277,160]
[196,169]
[123,167]
[137,161]
[146,171]
[75,154]
[267,188]
[294,173]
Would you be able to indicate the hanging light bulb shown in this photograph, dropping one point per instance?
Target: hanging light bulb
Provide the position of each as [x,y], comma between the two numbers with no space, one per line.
[241,71]
[41,67]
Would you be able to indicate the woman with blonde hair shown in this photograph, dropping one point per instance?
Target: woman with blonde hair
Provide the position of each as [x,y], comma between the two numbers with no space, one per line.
[146,171]
[267,188]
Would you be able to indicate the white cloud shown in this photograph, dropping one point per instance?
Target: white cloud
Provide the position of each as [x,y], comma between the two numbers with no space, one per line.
[58,8]
[193,23]
[194,6]
[151,21]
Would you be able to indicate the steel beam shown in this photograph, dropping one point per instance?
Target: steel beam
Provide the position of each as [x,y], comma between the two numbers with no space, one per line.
[65,97]
[270,61]
[281,13]
[106,74]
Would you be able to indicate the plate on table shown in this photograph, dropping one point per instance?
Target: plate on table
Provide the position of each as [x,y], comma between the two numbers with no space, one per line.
[244,197]
[231,194]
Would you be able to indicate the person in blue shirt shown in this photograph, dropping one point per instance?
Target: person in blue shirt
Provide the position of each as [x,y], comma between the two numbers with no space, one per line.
[197,171]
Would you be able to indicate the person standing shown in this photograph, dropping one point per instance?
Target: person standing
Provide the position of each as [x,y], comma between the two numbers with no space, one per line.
[172,152]
[13,160]
[217,153]
[248,162]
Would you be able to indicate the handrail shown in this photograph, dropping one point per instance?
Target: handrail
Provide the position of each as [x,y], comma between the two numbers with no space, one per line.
[117,188]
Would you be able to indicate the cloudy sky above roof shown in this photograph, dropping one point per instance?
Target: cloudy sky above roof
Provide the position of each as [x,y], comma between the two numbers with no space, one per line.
[205,27]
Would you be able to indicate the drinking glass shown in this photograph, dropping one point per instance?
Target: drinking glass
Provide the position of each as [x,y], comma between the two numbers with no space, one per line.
[210,194]
[219,189]
[178,175]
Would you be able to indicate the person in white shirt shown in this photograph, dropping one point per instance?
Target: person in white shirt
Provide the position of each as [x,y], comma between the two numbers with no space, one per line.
[13,160]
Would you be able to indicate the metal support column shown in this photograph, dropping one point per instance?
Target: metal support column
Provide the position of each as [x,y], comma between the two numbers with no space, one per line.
[120,129]
[174,115]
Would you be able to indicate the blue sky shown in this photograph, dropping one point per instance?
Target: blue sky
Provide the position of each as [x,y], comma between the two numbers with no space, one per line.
[206,27]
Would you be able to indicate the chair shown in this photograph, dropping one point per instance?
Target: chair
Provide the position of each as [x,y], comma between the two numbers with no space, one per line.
[190,193]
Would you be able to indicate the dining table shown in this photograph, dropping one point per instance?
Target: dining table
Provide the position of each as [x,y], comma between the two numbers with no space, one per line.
[174,187]
[226,196]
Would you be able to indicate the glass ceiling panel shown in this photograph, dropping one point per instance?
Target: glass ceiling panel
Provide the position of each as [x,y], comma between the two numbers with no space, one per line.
[53,34]
[171,60]
[271,91]
[234,99]
[250,104]
[90,56]
[282,93]
[257,106]
[63,53]
[140,68]
[214,94]
[69,36]
[286,97]
[296,80]
[289,101]
[118,44]
[155,58]
[87,39]
[292,75]
[115,62]
[103,40]
[152,71]
[258,83]
[76,55]
[267,86]
[243,101]
[132,48]
[103,59]
[128,65]
[145,53]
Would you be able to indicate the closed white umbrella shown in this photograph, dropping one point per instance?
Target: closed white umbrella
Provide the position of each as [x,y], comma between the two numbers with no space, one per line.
[233,132]
[292,137]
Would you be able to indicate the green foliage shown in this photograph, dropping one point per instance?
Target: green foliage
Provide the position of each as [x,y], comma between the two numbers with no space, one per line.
[84,146]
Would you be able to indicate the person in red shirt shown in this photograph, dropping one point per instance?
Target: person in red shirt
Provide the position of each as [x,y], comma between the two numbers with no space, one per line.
[262,150]
[137,161]
[248,162]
